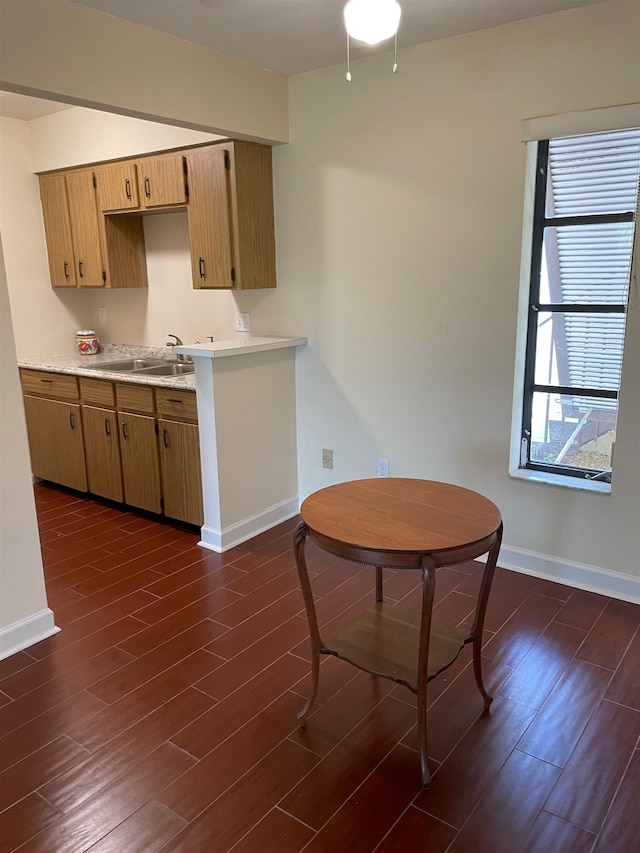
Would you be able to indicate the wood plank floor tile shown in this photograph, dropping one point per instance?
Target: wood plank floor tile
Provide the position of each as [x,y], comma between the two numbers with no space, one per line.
[238,755]
[146,830]
[245,803]
[504,818]
[197,593]
[417,831]
[333,780]
[552,833]
[609,638]
[582,609]
[374,808]
[590,778]
[623,825]
[276,831]
[246,606]
[625,684]
[521,630]
[24,820]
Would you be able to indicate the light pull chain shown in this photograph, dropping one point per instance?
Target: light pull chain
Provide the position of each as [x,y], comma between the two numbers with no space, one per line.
[348,61]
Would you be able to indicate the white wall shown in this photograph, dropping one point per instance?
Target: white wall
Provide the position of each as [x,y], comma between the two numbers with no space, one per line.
[24,615]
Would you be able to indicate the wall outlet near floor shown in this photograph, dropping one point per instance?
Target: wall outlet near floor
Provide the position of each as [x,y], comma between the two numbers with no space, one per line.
[327,458]
[102,315]
[242,322]
[382,469]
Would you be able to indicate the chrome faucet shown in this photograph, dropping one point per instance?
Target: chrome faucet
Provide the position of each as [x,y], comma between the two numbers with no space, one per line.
[177,343]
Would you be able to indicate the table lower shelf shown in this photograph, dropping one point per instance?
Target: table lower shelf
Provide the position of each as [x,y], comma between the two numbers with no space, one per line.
[385,641]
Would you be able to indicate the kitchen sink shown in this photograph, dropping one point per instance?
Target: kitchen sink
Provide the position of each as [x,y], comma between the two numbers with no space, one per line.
[130,365]
[171,369]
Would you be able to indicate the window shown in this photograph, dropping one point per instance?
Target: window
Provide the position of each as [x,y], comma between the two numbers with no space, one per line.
[581,246]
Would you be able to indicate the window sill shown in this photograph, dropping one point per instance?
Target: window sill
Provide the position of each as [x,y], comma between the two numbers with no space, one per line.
[559,480]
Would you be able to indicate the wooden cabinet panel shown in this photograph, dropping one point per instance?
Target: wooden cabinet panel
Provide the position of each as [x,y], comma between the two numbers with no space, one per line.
[83,212]
[98,392]
[102,452]
[56,441]
[50,384]
[163,181]
[179,404]
[57,229]
[180,464]
[140,463]
[210,236]
[118,186]
[135,398]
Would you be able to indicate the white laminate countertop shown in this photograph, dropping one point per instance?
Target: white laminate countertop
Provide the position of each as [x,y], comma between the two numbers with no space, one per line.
[239,346]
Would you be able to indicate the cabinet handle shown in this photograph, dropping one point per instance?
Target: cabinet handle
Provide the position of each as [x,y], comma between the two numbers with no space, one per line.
[81,269]
[178,402]
[165,438]
[66,270]
[127,188]
[125,434]
[201,267]
[147,188]
[107,427]
[72,421]
[47,381]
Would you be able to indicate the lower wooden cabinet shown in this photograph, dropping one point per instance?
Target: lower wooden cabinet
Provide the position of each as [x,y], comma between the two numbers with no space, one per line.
[102,452]
[128,443]
[140,463]
[56,441]
[181,478]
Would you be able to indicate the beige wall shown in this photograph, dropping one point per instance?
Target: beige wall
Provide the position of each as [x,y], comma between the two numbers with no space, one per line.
[399,216]
[398,222]
[57,48]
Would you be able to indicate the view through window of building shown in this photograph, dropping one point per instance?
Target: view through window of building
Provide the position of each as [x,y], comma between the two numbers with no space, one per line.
[586,198]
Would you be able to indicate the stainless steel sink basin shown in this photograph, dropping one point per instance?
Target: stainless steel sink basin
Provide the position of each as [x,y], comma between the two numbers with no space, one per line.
[171,369]
[130,365]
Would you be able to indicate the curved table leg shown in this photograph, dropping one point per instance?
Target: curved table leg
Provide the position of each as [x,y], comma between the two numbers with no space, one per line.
[299,541]
[428,590]
[481,608]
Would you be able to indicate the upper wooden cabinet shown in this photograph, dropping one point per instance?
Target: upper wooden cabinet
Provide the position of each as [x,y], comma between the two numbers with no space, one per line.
[72,229]
[93,216]
[145,184]
[231,226]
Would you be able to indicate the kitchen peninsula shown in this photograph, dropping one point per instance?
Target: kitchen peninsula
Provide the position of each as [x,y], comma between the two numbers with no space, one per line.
[247,417]
[227,459]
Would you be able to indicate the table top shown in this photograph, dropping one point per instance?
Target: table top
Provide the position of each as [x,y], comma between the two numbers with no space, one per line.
[401,515]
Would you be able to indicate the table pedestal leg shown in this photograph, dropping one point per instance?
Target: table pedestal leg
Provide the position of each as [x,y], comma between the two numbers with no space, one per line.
[481,608]
[428,590]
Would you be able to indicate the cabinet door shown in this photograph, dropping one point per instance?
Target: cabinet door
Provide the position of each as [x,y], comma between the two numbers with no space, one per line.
[140,464]
[56,442]
[181,479]
[162,181]
[83,210]
[57,229]
[210,218]
[117,187]
[102,452]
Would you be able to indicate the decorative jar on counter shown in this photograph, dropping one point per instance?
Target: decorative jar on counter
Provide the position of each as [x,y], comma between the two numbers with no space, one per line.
[86,342]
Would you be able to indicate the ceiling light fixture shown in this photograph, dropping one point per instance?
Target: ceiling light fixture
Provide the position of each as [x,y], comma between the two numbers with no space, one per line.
[372,21]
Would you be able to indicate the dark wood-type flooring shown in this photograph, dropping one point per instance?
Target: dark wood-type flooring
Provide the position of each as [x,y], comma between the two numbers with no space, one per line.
[163,715]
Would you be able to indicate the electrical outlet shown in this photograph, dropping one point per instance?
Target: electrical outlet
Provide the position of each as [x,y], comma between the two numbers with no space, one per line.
[242,322]
[102,315]
[383,468]
[327,458]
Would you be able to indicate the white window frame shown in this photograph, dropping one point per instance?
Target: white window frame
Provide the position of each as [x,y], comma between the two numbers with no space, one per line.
[546,127]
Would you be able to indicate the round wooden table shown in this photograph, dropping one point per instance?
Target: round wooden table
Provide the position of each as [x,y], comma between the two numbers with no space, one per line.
[400,523]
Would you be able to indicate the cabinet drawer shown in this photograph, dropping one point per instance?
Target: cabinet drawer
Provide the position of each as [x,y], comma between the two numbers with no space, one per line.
[97,392]
[181,404]
[135,398]
[49,384]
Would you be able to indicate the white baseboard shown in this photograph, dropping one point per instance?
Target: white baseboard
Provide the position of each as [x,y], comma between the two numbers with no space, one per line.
[236,534]
[579,575]
[14,638]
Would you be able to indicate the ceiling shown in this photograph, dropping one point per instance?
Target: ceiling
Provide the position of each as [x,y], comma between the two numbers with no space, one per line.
[294,36]
[27,108]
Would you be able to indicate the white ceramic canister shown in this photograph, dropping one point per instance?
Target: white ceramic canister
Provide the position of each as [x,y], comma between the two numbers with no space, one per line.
[87,342]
